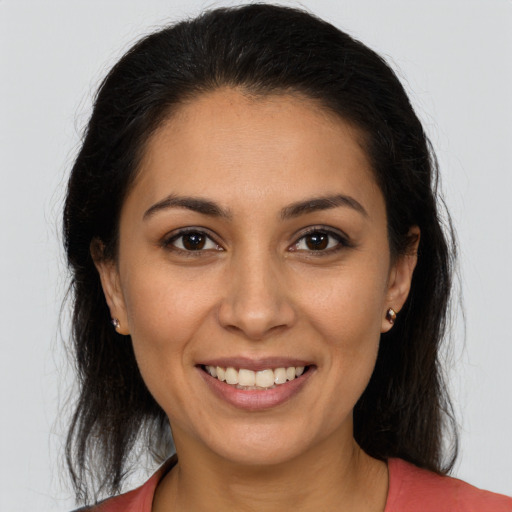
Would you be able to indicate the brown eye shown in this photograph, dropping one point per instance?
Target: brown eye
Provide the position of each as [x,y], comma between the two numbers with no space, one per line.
[193,241]
[320,241]
[190,241]
[317,241]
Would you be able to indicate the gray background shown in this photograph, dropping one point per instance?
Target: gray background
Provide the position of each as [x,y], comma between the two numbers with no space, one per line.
[454,58]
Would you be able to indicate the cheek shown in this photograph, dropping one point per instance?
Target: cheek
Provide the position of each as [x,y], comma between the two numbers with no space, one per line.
[347,306]
[163,303]
[347,314]
[164,312]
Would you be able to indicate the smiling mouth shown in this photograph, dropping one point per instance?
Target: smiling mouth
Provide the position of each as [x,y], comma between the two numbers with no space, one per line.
[250,380]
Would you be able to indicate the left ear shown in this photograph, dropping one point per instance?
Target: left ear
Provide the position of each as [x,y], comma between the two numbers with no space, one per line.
[400,277]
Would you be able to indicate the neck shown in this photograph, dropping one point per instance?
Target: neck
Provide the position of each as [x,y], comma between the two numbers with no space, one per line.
[344,479]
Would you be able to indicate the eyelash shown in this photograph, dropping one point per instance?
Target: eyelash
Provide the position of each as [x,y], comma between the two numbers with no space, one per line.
[168,242]
[341,241]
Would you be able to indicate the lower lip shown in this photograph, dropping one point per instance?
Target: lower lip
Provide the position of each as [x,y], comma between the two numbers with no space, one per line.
[256,400]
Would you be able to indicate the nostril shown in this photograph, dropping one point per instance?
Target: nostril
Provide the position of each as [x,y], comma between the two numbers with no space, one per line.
[255,311]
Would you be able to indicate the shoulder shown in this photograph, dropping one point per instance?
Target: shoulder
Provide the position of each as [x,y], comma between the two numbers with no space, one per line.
[412,488]
[137,500]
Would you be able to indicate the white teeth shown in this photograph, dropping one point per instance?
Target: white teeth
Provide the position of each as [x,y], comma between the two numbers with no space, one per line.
[221,374]
[279,375]
[290,373]
[248,379]
[231,376]
[265,378]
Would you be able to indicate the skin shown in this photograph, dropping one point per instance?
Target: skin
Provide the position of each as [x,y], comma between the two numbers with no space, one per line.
[258,290]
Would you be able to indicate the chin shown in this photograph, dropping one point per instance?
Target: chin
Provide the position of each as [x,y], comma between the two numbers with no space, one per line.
[259,445]
[259,455]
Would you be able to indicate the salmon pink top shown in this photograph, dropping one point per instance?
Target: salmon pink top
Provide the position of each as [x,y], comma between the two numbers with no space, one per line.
[410,489]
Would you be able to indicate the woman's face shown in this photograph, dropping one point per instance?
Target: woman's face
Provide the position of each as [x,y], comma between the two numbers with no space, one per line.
[254,242]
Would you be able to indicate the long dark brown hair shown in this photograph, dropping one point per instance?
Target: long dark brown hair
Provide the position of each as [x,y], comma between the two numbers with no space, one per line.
[262,49]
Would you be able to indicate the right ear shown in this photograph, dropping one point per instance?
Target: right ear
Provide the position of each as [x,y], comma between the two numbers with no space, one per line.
[110,282]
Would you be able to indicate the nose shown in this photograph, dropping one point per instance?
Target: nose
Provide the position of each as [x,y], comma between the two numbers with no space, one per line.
[256,302]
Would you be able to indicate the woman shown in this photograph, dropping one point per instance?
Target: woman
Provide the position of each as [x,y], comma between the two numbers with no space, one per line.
[254,211]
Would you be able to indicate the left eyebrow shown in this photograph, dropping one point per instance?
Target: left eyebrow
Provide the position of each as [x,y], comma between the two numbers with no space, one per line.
[322,203]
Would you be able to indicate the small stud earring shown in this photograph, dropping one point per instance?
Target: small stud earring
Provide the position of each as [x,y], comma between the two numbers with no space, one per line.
[115,322]
[391,316]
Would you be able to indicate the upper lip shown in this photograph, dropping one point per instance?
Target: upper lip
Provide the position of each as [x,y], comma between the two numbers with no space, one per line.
[254,364]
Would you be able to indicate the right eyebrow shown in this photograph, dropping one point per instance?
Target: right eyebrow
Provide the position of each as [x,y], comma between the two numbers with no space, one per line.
[196,204]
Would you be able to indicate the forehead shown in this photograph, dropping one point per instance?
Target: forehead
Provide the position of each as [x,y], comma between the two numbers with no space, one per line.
[255,147]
